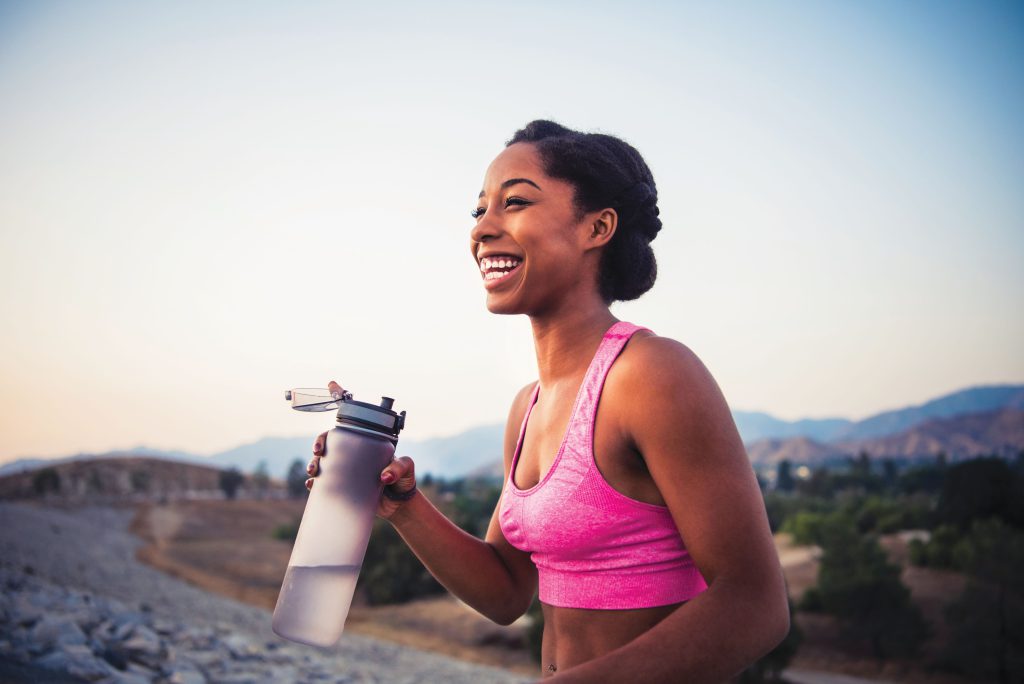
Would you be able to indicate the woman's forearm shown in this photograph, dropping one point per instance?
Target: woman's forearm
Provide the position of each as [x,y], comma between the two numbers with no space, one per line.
[467,566]
[707,640]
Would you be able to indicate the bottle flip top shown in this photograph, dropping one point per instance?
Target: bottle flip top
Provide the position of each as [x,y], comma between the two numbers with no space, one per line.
[375,419]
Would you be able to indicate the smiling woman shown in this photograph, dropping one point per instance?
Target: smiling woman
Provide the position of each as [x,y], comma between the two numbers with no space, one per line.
[629,504]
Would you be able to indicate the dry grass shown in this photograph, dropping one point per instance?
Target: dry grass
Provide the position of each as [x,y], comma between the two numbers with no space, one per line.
[227,547]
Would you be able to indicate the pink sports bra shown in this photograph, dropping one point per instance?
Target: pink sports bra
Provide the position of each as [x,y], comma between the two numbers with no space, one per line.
[593,546]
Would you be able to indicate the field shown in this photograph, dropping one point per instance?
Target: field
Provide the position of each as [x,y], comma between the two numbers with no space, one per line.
[228,547]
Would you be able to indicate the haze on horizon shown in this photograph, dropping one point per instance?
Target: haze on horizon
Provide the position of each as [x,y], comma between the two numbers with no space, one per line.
[204,205]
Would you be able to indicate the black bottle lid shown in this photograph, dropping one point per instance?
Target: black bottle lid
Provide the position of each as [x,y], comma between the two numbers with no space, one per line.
[379,419]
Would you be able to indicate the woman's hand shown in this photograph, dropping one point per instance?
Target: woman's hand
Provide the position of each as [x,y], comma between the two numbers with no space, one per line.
[399,475]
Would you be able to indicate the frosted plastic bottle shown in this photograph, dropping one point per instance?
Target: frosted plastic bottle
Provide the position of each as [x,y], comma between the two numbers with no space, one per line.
[321,577]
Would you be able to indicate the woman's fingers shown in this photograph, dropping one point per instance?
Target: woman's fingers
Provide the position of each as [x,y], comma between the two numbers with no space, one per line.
[318,452]
[400,472]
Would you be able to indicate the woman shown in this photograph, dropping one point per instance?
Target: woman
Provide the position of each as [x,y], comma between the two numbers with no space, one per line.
[622,449]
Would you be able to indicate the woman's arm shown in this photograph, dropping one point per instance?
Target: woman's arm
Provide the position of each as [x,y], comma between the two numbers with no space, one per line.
[671,408]
[491,575]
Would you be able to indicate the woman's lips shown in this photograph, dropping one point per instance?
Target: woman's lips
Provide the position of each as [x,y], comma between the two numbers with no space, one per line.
[493,282]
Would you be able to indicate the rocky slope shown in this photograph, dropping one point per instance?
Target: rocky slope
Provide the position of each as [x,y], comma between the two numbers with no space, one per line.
[77,606]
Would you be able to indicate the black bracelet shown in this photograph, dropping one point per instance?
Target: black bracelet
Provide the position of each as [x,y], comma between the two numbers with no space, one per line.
[403,496]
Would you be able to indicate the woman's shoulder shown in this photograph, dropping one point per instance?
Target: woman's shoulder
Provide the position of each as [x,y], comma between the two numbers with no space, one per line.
[648,355]
[662,369]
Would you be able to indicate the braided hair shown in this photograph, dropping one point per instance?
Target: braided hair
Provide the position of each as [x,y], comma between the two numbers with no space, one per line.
[605,172]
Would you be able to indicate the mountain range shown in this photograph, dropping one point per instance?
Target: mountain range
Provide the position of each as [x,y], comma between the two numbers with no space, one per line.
[963,424]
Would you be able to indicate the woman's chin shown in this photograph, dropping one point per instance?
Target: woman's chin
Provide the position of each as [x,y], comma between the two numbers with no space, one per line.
[498,304]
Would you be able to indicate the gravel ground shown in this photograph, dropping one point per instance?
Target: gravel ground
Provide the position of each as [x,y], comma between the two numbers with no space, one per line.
[89,552]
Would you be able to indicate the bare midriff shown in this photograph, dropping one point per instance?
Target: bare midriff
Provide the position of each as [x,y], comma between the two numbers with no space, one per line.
[575,635]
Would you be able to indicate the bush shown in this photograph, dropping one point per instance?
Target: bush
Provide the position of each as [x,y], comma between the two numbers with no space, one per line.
[811,601]
[287,531]
[391,572]
[987,620]
[46,481]
[296,479]
[230,480]
[981,488]
[858,585]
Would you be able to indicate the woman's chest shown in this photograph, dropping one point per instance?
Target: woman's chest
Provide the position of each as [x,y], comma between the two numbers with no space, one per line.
[596,439]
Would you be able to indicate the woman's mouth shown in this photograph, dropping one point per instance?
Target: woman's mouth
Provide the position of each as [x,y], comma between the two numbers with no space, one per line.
[498,269]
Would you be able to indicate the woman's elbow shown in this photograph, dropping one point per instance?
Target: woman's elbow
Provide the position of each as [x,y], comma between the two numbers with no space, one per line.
[777,621]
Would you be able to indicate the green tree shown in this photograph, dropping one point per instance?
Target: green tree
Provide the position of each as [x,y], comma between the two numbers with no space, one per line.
[391,572]
[296,479]
[261,479]
[784,476]
[981,488]
[46,481]
[857,584]
[987,620]
[230,480]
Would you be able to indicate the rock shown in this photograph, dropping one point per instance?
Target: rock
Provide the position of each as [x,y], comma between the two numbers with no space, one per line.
[239,678]
[241,648]
[144,647]
[186,676]
[142,671]
[78,661]
[116,654]
[128,678]
[165,627]
[198,637]
[53,631]
[204,659]
[24,611]
[125,623]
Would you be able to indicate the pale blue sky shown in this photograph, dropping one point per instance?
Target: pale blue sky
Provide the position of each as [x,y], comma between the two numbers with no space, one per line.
[202,204]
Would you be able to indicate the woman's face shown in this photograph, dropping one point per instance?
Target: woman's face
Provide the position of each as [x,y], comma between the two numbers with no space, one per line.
[528,242]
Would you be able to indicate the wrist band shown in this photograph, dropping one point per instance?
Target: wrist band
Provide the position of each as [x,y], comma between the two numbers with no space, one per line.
[396,496]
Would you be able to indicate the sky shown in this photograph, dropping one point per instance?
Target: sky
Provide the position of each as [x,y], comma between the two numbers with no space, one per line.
[205,204]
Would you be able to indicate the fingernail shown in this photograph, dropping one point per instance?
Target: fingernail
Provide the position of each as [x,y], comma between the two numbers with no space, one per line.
[310,468]
[387,477]
[336,395]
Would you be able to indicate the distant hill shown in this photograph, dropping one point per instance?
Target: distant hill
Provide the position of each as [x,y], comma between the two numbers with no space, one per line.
[754,426]
[970,401]
[768,439]
[999,432]
[118,479]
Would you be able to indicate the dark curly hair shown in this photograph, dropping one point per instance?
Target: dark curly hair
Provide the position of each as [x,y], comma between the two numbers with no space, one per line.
[605,172]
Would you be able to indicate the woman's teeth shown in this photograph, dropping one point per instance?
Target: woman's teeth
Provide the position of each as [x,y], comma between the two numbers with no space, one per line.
[499,267]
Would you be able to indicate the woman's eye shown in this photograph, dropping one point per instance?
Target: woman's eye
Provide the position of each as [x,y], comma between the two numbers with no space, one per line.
[511,201]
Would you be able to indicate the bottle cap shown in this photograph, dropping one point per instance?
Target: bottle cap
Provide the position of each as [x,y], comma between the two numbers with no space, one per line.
[371,417]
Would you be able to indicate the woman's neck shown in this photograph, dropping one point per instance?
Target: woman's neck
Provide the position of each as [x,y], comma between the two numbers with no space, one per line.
[565,344]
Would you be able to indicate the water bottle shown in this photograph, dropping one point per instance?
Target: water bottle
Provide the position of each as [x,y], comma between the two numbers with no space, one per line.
[321,577]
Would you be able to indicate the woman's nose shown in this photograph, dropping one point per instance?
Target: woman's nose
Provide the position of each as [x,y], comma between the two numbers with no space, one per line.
[484,229]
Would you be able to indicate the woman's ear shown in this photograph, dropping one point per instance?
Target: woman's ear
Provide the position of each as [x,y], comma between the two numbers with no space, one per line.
[602,228]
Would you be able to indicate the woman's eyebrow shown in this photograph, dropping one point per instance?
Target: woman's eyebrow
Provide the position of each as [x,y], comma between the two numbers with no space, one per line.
[512,181]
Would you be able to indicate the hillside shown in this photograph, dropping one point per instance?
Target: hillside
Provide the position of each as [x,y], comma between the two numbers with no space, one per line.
[130,478]
[905,433]
[998,432]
